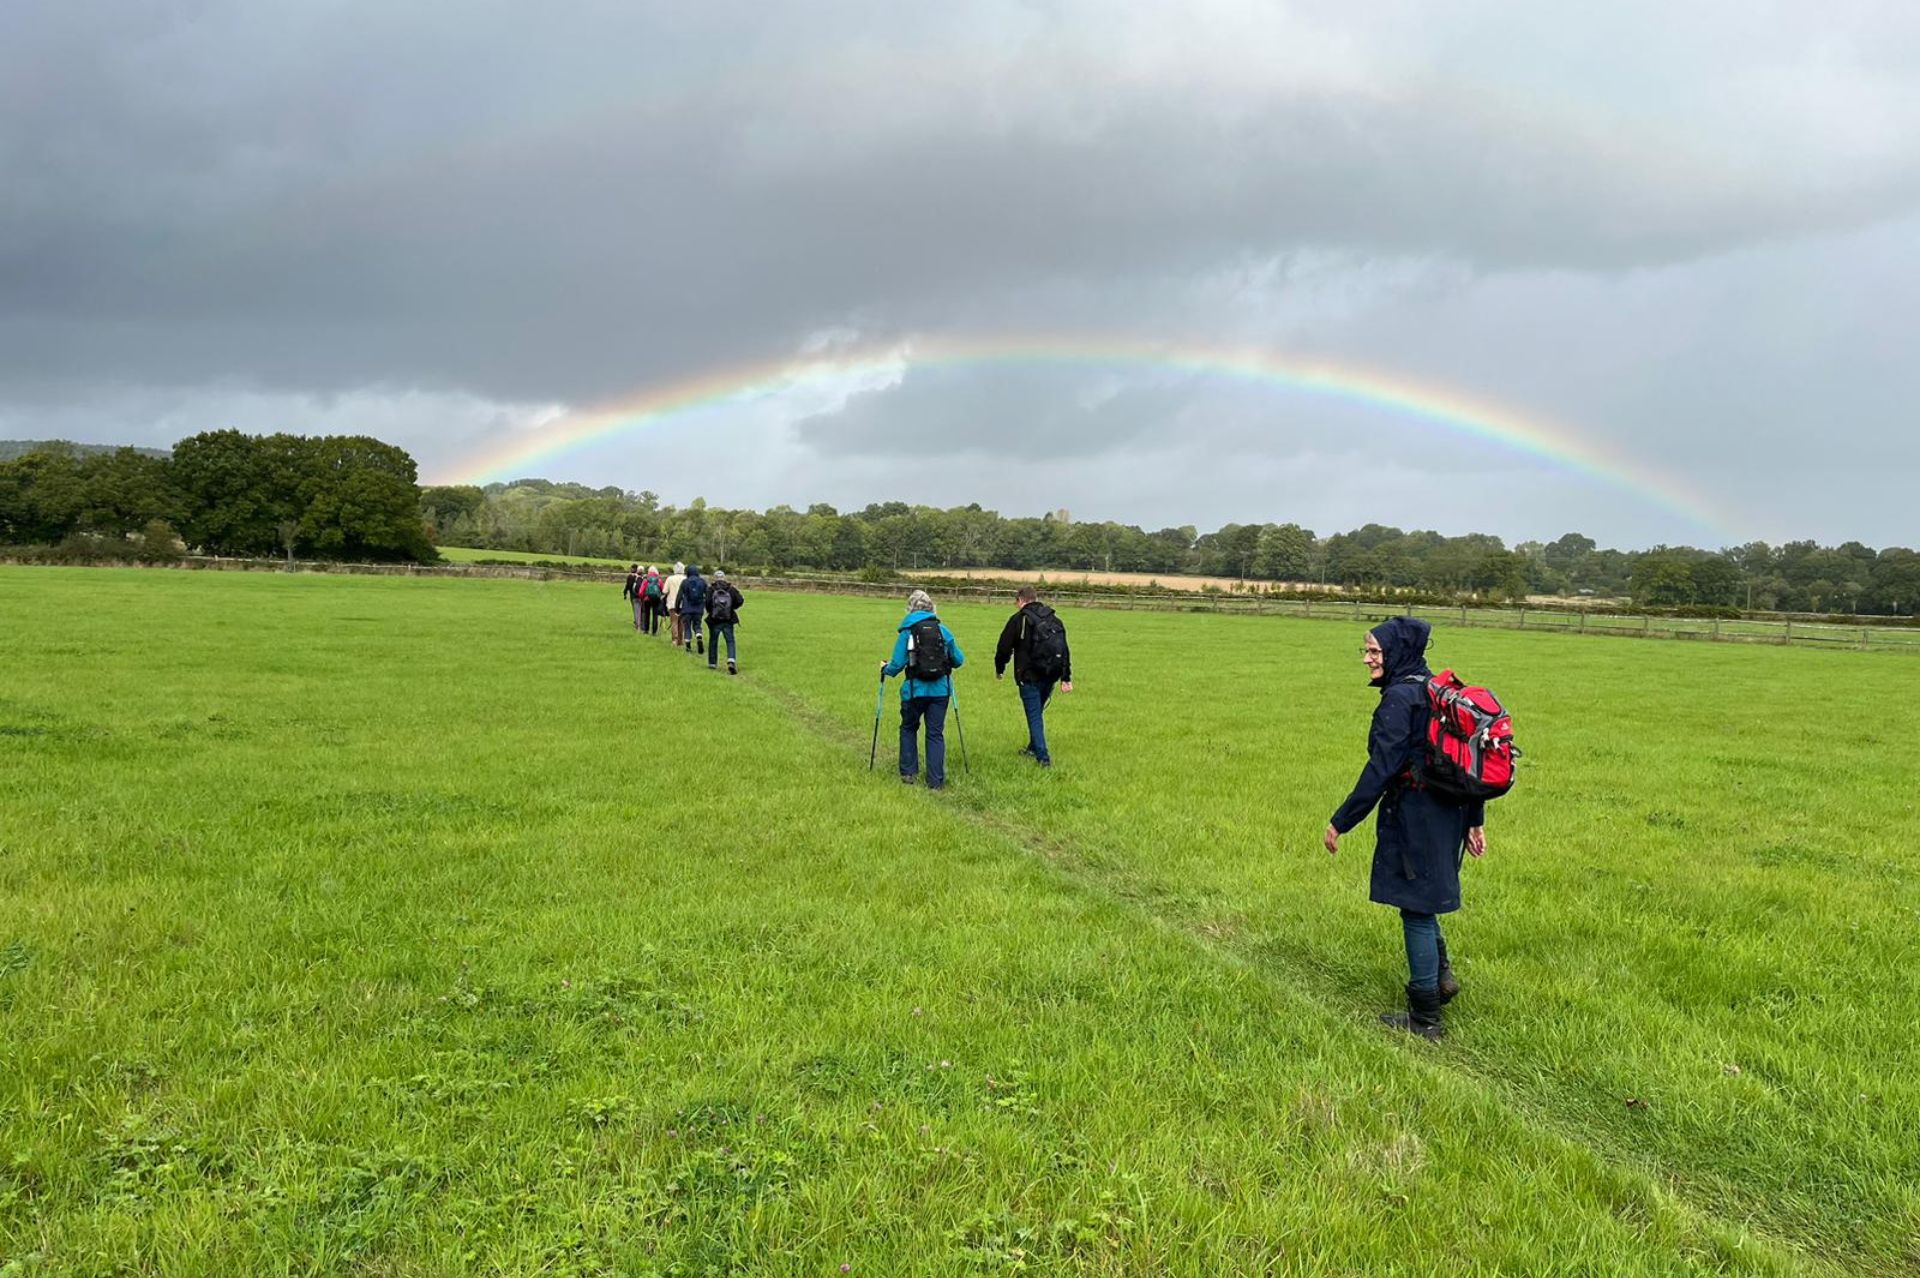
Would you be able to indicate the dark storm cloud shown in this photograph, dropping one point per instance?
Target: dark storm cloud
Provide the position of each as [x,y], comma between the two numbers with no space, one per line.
[341,196]
[1013,413]
[530,205]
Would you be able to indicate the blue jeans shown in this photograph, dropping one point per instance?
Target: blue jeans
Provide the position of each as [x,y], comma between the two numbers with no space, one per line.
[689,629]
[934,711]
[1033,699]
[714,632]
[1426,949]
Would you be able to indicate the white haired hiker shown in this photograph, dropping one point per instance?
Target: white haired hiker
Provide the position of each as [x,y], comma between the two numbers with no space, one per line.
[928,654]
[671,589]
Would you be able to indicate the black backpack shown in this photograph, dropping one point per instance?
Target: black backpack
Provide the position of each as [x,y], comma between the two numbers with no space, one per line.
[1045,642]
[720,604]
[927,658]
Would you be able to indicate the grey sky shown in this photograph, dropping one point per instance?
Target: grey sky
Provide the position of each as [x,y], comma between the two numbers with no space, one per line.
[1688,235]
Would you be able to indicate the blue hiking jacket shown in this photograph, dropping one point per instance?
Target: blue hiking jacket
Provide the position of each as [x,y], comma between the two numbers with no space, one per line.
[916,687]
[693,594]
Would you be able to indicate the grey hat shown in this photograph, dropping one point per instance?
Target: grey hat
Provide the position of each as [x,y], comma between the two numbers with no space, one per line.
[719,575]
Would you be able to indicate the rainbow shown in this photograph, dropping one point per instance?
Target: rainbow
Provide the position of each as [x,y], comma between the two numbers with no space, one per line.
[1447,409]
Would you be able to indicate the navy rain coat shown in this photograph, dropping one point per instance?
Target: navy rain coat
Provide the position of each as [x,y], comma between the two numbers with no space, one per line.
[1420,836]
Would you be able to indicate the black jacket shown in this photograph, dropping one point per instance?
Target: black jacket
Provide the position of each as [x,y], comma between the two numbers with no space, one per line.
[1013,644]
[724,590]
[1419,836]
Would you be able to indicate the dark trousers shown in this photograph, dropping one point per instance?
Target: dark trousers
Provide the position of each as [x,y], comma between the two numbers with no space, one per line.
[934,711]
[1033,699]
[714,633]
[689,629]
[649,616]
[1426,948]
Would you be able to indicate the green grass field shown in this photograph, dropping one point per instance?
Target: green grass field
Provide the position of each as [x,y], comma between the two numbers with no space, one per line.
[391,926]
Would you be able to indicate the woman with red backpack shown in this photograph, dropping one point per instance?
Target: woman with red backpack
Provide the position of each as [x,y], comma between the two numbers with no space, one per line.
[1420,832]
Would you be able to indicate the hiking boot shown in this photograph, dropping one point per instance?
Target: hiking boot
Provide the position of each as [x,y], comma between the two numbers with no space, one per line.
[1045,763]
[908,780]
[732,669]
[1449,986]
[1028,751]
[1422,1016]
[700,646]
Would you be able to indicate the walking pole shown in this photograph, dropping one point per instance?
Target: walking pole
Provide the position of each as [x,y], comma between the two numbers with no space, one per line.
[879,699]
[960,728]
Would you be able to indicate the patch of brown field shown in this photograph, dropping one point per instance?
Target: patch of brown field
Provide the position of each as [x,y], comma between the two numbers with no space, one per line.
[1166,581]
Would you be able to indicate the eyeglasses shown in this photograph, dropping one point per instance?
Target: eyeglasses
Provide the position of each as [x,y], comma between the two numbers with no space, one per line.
[1371,652]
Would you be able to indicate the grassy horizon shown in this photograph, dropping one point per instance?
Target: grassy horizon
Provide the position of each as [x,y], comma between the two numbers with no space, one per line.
[447,926]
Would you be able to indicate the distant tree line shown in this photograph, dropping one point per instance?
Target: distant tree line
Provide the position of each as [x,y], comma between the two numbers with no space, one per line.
[221,492]
[351,497]
[542,517]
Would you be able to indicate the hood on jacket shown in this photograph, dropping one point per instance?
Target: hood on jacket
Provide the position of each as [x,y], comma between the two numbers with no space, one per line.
[915,617]
[1036,609]
[693,570]
[1403,649]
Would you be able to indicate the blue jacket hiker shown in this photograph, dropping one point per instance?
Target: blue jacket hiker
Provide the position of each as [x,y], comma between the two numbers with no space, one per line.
[693,606]
[927,653]
[1419,834]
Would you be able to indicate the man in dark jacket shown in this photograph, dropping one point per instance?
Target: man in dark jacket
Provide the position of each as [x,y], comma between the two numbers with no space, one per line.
[693,606]
[724,602]
[632,591]
[1419,834]
[1036,640]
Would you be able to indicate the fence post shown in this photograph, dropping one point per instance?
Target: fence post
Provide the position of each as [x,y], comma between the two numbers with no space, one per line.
[1583,621]
[1863,638]
[1646,623]
[1789,638]
[1523,618]
[1716,627]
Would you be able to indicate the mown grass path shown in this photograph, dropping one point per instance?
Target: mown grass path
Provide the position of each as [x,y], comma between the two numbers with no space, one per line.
[361,925]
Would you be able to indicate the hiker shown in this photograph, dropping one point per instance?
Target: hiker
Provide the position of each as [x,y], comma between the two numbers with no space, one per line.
[632,591]
[653,600]
[926,651]
[1036,640]
[1419,833]
[723,614]
[693,605]
[672,587]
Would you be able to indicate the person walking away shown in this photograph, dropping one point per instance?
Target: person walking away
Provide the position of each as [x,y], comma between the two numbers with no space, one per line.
[927,653]
[1035,640]
[723,614]
[672,587]
[652,600]
[1419,833]
[693,605]
[631,591]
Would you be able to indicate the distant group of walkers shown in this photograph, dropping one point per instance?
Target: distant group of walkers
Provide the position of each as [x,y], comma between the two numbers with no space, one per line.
[1436,748]
[685,600]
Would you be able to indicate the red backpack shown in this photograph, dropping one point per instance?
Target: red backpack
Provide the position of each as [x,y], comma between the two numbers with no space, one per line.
[1470,752]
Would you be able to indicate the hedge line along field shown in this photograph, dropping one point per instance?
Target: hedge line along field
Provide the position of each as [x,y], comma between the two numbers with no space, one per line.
[376,925]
